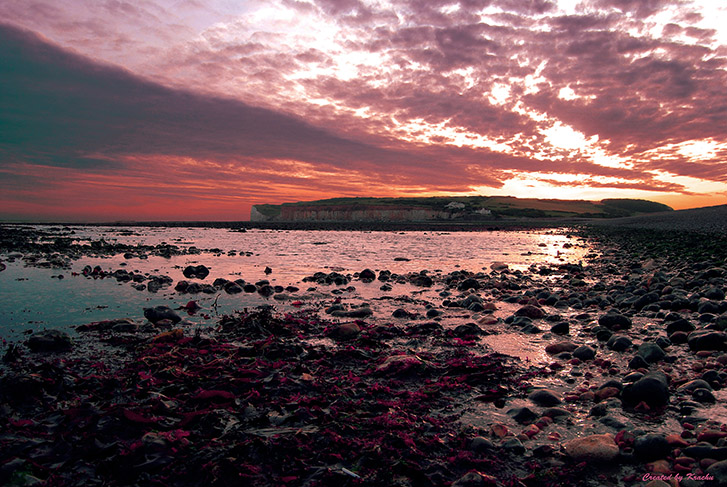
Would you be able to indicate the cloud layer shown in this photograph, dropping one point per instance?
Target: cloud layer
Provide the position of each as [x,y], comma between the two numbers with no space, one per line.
[286,100]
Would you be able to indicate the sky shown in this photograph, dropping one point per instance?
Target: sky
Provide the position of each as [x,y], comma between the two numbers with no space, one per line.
[196,110]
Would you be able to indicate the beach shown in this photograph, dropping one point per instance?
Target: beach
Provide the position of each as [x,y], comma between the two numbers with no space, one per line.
[596,359]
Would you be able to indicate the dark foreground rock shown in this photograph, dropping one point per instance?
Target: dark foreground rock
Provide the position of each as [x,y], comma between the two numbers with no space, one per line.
[49,341]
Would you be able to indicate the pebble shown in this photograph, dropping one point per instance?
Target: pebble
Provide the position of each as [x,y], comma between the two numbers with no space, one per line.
[480,444]
[347,331]
[651,352]
[584,352]
[556,348]
[523,415]
[718,471]
[651,447]
[562,328]
[532,312]
[615,321]
[707,340]
[619,343]
[544,397]
[651,389]
[599,448]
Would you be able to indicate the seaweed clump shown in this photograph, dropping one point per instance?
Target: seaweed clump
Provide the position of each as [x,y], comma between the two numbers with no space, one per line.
[262,400]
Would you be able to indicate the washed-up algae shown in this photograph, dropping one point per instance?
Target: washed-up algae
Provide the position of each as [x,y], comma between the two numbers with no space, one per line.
[262,399]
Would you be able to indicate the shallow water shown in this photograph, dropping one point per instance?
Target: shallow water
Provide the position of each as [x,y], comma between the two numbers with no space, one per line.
[32,298]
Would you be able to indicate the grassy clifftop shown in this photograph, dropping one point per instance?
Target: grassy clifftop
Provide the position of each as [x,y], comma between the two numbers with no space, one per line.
[477,207]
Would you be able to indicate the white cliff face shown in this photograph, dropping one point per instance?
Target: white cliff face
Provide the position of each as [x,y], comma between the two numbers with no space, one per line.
[256,216]
[359,213]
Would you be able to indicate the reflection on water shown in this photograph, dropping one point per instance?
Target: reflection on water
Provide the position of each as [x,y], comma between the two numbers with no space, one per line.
[31,298]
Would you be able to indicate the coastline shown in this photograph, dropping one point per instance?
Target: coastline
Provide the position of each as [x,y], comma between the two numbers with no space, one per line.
[311,399]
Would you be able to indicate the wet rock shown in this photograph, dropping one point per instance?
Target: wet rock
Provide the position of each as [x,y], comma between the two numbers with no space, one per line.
[704,396]
[694,384]
[466,329]
[523,415]
[612,422]
[49,341]
[707,340]
[651,352]
[615,321]
[160,313]
[233,288]
[718,471]
[714,293]
[469,283]
[426,328]
[584,352]
[562,328]
[196,272]
[705,450]
[532,312]
[514,446]
[651,389]
[679,325]
[556,348]
[638,362]
[530,329]
[544,397]
[421,280]
[433,313]
[474,479]
[249,288]
[265,290]
[361,312]
[708,307]
[480,444]
[400,313]
[597,448]
[499,267]
[650,447]
[367,275]
[346,331]
[619,343]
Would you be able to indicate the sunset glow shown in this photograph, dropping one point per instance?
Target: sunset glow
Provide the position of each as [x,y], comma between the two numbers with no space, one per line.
[198,110]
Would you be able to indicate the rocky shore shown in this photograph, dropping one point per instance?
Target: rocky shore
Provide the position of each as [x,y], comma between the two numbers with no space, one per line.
[618,379]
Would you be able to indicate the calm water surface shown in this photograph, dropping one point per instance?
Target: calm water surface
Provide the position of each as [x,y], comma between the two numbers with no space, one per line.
[32,298]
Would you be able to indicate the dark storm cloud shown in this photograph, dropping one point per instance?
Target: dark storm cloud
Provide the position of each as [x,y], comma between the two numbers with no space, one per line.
[59,109]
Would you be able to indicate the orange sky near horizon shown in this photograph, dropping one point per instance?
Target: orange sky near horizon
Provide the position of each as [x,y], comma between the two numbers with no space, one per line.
[160,110]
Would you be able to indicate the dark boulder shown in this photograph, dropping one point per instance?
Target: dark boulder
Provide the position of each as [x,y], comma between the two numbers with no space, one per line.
[619,343]
[651,446]
[651,352]
[49,341]
[707,340]
[615,321]
[196,272]
[367,275]
[651,389]
[584,352]
[159,313]
[532,312]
